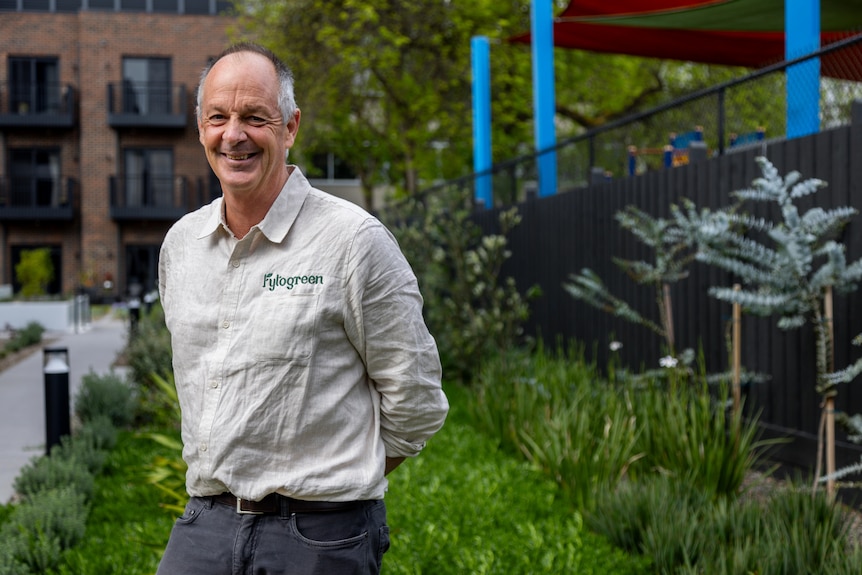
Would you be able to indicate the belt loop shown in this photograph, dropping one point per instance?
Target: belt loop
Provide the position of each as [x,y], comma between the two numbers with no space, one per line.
[284,507]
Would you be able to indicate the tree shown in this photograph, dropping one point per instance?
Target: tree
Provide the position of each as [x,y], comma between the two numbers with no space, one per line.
[386,85]
[787,267]
[34,272]
[672,250]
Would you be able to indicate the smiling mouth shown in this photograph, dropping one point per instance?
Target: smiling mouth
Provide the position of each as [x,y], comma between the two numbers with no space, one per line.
[238,156]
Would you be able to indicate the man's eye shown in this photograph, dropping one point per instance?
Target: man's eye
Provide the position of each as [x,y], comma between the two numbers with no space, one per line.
[256,120]
[216,118]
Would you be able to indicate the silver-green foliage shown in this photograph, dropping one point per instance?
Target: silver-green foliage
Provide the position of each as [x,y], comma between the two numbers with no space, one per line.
[786,266]
[672,252]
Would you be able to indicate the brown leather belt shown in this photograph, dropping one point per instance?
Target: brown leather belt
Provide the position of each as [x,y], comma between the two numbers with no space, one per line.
[275,503]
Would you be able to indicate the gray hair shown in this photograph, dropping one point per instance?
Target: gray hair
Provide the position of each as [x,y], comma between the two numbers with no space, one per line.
[286,101]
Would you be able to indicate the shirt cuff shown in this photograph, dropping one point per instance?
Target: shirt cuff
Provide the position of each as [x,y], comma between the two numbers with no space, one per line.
[396,447]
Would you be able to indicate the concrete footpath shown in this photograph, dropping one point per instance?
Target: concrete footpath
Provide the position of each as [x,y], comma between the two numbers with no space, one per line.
[22,391]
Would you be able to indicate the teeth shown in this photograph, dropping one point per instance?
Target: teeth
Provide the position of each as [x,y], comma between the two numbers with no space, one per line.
[232,157]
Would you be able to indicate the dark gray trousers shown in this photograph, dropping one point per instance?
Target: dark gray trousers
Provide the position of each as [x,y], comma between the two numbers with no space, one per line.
[213,539]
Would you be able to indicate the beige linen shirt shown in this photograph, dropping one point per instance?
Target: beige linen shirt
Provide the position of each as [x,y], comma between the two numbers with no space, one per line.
[301,356]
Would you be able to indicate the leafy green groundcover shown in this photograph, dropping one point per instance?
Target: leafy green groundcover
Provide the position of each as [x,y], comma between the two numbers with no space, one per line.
[462,507]
[465,507]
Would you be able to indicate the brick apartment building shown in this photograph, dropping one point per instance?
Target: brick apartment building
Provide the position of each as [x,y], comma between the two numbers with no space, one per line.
[98,144]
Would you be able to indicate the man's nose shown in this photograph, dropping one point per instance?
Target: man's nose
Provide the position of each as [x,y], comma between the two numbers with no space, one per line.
[234,130]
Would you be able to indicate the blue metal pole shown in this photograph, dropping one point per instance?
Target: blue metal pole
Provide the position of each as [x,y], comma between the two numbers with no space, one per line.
[481,62]
[802,36]
[544,101]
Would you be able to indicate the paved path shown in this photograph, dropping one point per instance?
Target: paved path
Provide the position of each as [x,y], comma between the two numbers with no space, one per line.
[22,391]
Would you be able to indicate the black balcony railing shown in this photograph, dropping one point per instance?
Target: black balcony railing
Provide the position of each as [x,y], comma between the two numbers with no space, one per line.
[37,198]
[37,105]
[149,197]
[208,190]
[136,105]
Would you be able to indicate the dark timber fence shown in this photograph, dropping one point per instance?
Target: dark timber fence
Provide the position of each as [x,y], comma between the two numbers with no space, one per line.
[562,234]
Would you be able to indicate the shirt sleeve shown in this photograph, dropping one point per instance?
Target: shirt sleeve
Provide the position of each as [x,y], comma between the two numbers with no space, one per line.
[390,334]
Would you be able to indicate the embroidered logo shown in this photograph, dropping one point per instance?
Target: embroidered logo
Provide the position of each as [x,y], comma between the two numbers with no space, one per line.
[272,281]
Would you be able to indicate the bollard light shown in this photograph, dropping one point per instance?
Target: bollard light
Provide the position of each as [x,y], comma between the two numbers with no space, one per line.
[56,371]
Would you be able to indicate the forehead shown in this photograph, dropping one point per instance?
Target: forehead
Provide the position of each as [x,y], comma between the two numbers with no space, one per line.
[245,75]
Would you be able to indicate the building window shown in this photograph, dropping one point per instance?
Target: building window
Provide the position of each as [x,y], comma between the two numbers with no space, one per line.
[101,4]
[142,266]
[34,86]
[169,6]
[68,5]
[149,177]
[197,6]
[146,85]
[38,5]
[134,5]
[328,166]
[34,177]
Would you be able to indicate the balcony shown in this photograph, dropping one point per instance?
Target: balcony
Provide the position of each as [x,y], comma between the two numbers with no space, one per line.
[38,106]
[147,106]
[37,199]
[149,198]
[208,190]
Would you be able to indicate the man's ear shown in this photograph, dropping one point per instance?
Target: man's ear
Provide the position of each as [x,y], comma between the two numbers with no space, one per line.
[292,129]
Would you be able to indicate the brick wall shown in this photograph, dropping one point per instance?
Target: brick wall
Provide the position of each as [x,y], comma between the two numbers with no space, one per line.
[90,47]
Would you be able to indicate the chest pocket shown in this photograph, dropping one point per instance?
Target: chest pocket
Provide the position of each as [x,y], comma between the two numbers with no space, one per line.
[286,327]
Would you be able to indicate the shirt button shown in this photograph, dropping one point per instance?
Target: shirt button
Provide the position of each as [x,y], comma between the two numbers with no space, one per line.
[225,324]
[235,263]
[214,384]
[203,446]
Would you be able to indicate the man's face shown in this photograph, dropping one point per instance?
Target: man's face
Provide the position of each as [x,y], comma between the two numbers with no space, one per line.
[241,126]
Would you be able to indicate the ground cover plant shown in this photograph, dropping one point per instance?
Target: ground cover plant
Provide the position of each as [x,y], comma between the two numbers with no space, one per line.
[658,470]
[463,506]
[55,491]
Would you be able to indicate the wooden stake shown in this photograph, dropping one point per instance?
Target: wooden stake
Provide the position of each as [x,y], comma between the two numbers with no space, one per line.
[737,352]
[668,314]
[829,404]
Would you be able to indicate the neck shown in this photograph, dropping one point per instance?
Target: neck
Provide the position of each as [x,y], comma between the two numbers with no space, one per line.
[243,211]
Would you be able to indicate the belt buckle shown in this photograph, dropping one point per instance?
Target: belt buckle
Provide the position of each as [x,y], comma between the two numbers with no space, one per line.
[242,511]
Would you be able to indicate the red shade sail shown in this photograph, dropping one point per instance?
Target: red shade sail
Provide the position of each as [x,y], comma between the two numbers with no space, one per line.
[724,32]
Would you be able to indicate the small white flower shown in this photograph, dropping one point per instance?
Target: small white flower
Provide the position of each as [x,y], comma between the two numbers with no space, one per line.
[668,361]
[616,345]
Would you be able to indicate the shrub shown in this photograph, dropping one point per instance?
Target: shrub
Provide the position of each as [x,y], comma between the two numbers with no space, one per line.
[82,447]
[149,356]
[27,336]
[47,473]
[99,432]
[38,532]
[551,408]
[150,350]
[471,308]
[684,530]
[34,272]
[105,395]
[687,432]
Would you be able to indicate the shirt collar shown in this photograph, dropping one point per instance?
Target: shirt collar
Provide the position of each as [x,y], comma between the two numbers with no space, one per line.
[280,216]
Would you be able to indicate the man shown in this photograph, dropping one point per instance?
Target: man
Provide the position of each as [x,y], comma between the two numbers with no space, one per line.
[304,369]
